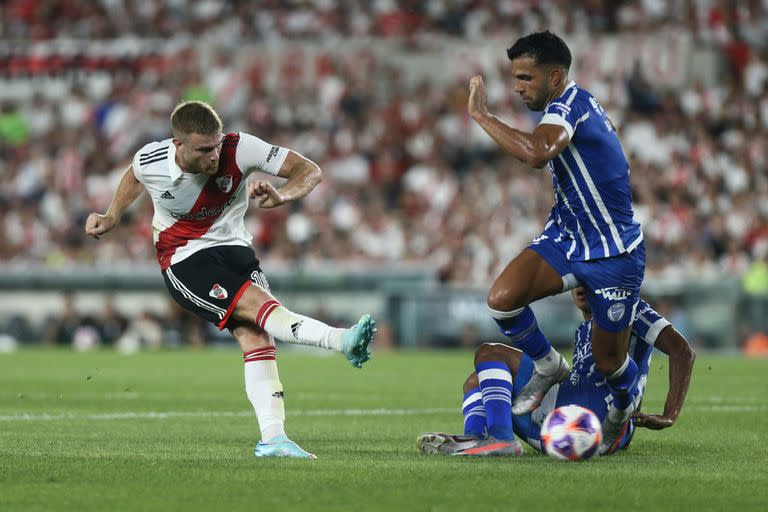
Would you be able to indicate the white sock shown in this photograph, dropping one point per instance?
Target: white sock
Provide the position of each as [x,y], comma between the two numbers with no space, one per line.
[264,390]
[290,327]
[548,364]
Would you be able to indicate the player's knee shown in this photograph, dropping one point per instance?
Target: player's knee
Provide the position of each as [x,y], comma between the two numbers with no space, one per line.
[608,364]
[471,383]
[504,299]
[490,352]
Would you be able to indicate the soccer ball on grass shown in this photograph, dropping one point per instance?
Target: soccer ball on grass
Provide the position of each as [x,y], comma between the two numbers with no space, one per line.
[571,433]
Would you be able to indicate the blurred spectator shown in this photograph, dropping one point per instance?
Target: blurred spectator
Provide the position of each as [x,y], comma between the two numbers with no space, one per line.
[110,322]
[408,177]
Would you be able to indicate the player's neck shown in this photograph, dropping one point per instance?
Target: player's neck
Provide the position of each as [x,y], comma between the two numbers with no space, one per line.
[559,90]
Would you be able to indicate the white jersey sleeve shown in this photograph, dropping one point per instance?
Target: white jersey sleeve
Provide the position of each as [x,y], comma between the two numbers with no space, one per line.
[254,154]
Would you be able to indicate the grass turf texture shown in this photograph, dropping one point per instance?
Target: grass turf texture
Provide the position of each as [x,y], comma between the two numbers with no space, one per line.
[88,444]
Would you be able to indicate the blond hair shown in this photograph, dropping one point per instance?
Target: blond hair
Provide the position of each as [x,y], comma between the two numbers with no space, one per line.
[195,117]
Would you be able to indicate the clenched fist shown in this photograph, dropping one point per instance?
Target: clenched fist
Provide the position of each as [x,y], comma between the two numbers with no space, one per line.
[97,224]
[266,195]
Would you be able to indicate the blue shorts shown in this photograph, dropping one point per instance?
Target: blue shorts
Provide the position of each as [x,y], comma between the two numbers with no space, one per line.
[576,390]
[612,284]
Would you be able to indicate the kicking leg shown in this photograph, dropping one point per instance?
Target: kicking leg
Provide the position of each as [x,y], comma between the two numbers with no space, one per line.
[527,278]
[265,392]
[257,305]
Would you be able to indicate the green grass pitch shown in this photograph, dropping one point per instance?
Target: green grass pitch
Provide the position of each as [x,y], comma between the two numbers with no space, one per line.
[174,431]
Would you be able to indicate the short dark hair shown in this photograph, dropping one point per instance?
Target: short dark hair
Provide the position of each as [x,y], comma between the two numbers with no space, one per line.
[543,47]
[195,117]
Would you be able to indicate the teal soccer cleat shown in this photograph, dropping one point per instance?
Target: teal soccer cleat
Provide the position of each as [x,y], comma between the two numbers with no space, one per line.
[356,340]
[281,446]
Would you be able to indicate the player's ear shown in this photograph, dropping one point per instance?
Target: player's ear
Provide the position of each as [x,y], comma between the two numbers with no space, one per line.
[556,76]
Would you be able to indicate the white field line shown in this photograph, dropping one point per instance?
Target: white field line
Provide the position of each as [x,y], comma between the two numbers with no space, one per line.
[224,414]
[309,412]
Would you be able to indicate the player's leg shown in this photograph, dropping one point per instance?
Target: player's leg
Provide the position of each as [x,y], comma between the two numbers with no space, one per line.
[256,304]
[473,406]
[265,392]
[539,271]
[487,394]
[613,291]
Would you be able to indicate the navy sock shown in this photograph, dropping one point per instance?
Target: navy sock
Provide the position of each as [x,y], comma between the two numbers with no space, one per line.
[496,387]
[524,333]
[474,413]
[623,385]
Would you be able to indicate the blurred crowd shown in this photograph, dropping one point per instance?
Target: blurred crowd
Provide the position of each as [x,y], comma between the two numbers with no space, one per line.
[408,176]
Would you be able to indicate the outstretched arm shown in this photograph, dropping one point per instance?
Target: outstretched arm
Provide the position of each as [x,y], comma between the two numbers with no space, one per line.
[303,175]
[681,357]
[535,149]
[127,191]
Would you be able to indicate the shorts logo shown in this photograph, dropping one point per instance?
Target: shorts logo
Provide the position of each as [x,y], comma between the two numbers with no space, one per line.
[272,153]
[614,293]
[224,183]
[217,292]
[616,312]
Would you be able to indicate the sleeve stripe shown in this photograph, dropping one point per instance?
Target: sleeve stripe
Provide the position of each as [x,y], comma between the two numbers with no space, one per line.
[655,329]
[551,118]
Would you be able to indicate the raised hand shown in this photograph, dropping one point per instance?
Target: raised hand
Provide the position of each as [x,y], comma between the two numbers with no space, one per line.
[477,97]
[265,194]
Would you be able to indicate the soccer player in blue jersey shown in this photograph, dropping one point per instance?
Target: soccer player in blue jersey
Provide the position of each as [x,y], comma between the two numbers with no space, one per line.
[502,371]
[590,237]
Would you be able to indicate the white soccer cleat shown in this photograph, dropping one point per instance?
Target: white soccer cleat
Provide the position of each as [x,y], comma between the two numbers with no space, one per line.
[439,443]
[532,394]
[614,426]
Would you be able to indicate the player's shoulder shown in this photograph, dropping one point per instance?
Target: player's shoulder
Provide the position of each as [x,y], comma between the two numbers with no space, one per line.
[153,152]
[231,139]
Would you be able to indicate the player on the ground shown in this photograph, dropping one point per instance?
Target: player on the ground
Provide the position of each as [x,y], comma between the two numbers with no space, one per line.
[502,371]
[198,184]
[590,237]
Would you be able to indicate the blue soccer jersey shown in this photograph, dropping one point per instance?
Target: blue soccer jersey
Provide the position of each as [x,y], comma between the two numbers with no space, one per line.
[590,178]
[646,327]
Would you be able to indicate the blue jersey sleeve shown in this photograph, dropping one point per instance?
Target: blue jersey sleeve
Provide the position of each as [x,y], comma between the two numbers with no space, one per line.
[568,111]
[648,323]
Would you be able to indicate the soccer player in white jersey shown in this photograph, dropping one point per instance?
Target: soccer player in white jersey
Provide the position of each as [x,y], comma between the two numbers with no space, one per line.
[489,415]
[590,237]
[198,182]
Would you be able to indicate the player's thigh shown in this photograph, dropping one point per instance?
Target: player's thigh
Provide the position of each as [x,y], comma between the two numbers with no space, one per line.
[211,282]
[525,279]
[612,287]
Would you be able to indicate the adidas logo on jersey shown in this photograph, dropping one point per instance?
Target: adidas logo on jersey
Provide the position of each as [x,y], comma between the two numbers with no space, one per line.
[167,195]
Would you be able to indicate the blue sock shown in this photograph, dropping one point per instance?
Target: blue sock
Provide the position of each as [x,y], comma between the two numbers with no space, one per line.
[496,387]
[623,384]
[523,331]
[474,413]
